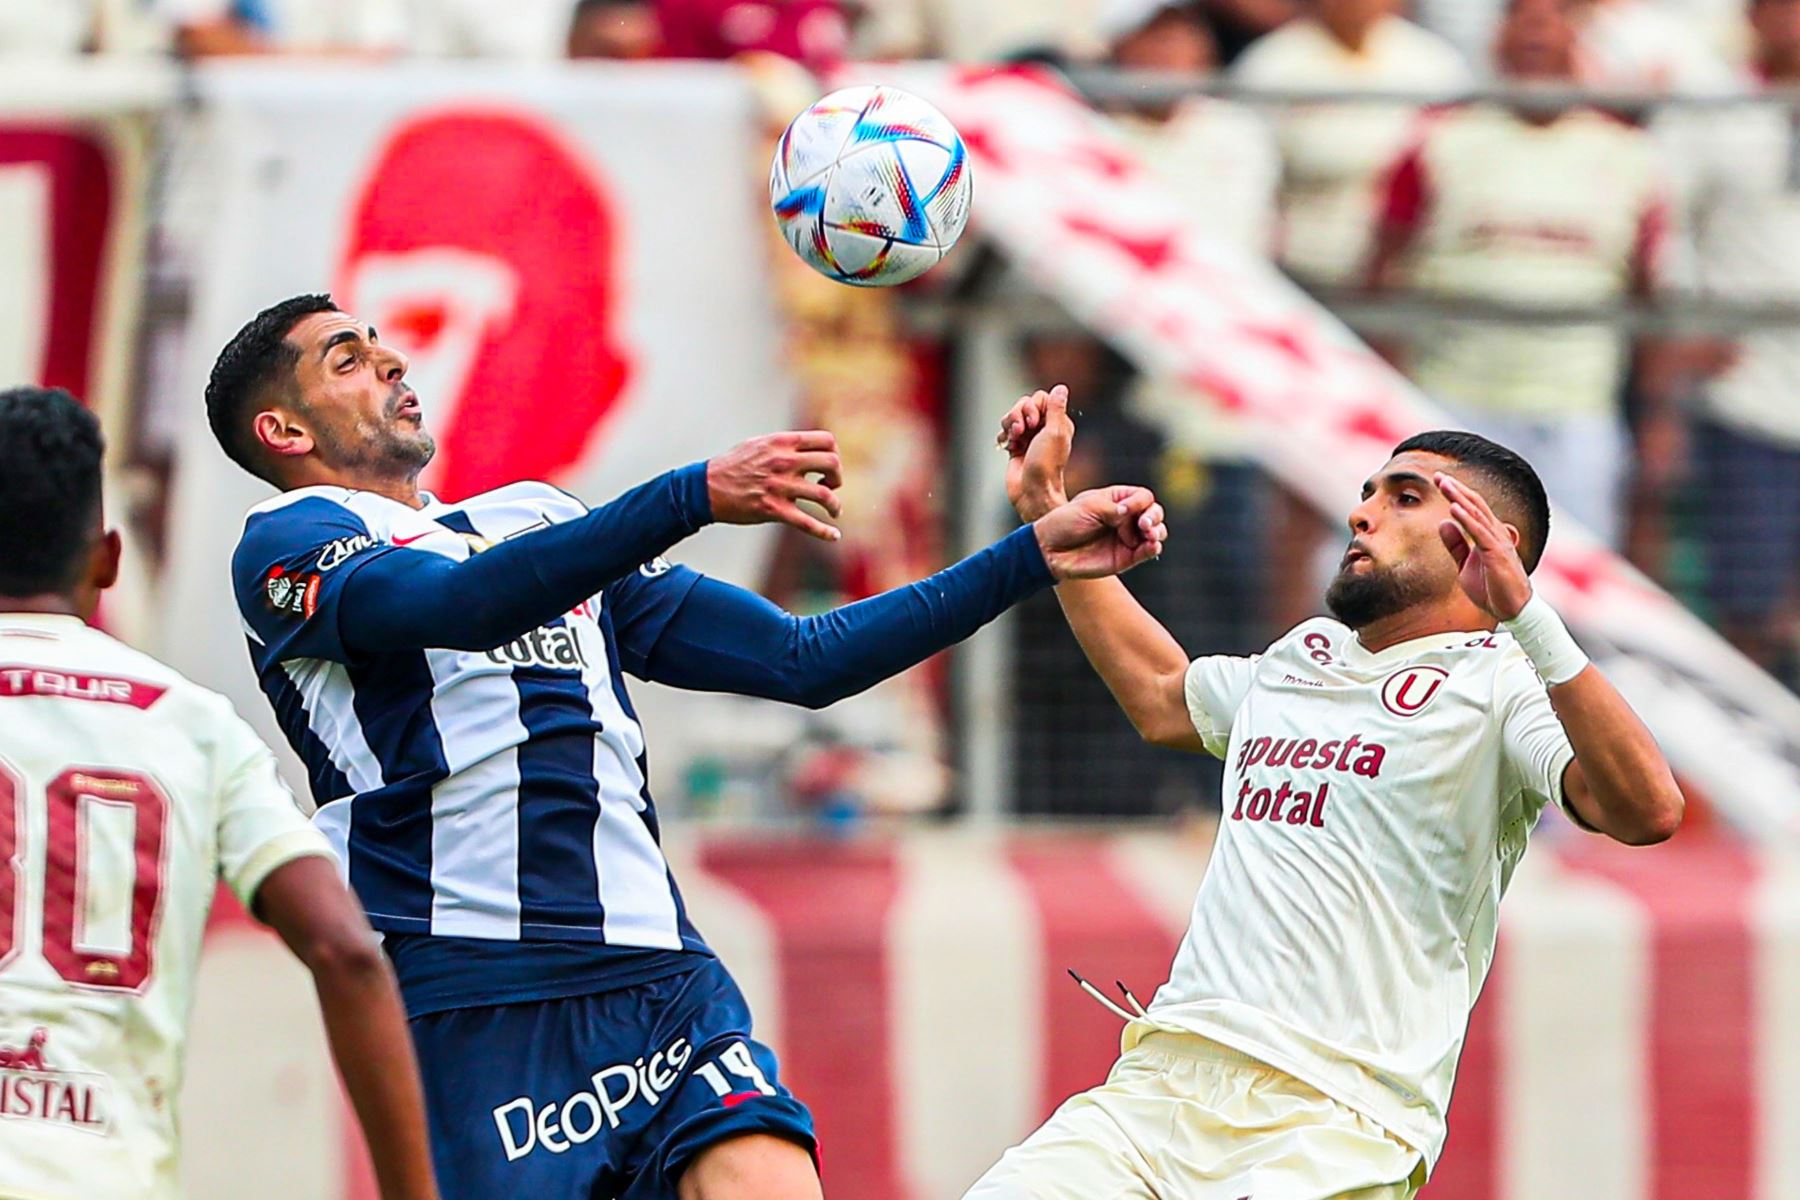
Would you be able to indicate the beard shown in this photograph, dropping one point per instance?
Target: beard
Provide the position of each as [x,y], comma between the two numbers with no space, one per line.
[1359,599]
[390,448]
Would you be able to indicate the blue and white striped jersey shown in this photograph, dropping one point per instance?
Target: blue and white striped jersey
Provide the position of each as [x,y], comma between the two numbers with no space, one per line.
[496,794]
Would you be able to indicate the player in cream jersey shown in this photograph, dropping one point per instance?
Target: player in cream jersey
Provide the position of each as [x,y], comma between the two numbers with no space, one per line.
[1382,772]
[126,794]
[1400,785]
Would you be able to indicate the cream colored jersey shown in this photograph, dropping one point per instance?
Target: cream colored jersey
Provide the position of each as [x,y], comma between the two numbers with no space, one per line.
[1334,155]
[1375,806]
[126,794]
[1564,215]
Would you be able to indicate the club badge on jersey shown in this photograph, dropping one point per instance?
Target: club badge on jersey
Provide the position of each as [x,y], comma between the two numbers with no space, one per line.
[291,595]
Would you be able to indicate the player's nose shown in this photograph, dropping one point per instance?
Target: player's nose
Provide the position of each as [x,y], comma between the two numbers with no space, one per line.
[395,366]
[1361,519]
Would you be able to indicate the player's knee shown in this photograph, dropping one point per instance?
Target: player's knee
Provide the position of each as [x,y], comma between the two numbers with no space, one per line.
[756,1166]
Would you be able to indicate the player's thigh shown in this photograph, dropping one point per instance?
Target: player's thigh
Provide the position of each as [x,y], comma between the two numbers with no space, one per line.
[1082,1152]
[1403,1190]
[725,1105]
[521,1100]
[756,1166]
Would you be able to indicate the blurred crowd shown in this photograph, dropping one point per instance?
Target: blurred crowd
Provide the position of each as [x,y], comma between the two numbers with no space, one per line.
[1510,228]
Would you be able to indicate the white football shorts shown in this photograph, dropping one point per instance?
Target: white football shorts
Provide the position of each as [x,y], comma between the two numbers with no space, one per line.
[1184,1118]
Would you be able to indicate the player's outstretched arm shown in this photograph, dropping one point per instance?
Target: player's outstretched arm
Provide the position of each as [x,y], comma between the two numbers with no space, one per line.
[1619,783]
[306,903]
[1140,661]
[388,597]
[726,639]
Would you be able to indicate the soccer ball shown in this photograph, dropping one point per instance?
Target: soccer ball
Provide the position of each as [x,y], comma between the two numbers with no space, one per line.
[871,186]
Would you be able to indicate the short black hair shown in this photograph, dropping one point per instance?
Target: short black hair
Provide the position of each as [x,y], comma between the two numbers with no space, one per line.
[1518,494]
[582,8]
[50,452]
[257,358]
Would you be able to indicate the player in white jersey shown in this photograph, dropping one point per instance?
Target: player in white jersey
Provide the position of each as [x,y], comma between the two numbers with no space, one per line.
[126,795]
[1383,768]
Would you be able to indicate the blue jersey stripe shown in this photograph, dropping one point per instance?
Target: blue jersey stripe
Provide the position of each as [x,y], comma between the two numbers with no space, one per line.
[290,715]
[390,829]
[322,775]
[559,801]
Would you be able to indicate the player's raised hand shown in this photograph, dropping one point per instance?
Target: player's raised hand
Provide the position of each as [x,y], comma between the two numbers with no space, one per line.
[1106,531]
[760,480]
[1037,434]
[1485,548]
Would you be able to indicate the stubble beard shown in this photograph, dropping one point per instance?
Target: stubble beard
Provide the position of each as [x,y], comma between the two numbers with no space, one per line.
[383,451]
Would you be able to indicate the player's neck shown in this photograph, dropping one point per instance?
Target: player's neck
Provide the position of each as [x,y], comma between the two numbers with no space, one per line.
[404,489]
[1421,623]
[53,603]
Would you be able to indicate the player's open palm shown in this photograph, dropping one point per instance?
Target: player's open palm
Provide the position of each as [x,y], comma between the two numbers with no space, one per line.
[1038,435]
[1106,531]
[1486,550]
[763,480]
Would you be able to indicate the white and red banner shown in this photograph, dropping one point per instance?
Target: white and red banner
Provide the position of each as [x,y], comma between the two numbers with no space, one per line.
[1066,200]
[573,259]
[1635,1041]
[73,172]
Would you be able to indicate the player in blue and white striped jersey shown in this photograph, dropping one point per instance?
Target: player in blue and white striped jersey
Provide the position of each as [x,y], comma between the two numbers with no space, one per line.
[452,674]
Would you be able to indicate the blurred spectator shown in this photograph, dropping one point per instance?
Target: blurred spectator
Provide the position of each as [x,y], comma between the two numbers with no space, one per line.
[517,29]
[1333,155]
[209,28]
[984,31]
[1553,209]
[813,32]
[1215,155]
[1469,25]
[1644,45]
[1237,24]
[46,27]
[1741,189]
[622,29]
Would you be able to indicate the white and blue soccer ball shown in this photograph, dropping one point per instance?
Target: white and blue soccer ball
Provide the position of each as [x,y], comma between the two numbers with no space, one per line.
[871,186]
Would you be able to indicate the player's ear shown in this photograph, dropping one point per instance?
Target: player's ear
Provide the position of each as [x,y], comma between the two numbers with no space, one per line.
[279,431]
[103,571]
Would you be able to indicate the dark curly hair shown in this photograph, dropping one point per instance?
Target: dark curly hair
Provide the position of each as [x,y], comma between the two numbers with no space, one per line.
[50,452]
[1513,486]
[256,359]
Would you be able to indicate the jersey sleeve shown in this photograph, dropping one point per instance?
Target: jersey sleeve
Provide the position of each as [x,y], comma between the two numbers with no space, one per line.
[1215,687]
[260,824]
[642,604]
[290,571]
[1535,745]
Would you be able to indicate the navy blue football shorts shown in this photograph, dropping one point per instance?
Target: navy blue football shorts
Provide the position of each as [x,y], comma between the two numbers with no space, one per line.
[611,1095]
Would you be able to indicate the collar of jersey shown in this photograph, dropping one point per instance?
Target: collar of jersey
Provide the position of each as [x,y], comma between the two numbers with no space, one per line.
[54,620]
[1358,655]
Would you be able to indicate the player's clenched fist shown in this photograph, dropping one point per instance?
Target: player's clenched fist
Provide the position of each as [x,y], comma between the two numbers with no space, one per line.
[1106,531]
[1038,435]
[760,480]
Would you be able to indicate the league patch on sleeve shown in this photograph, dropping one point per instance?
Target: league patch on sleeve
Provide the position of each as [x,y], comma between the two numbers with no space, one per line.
[291,595]
[656,566]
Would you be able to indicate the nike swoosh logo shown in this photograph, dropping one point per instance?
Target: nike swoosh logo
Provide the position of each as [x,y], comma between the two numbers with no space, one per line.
[407,541]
